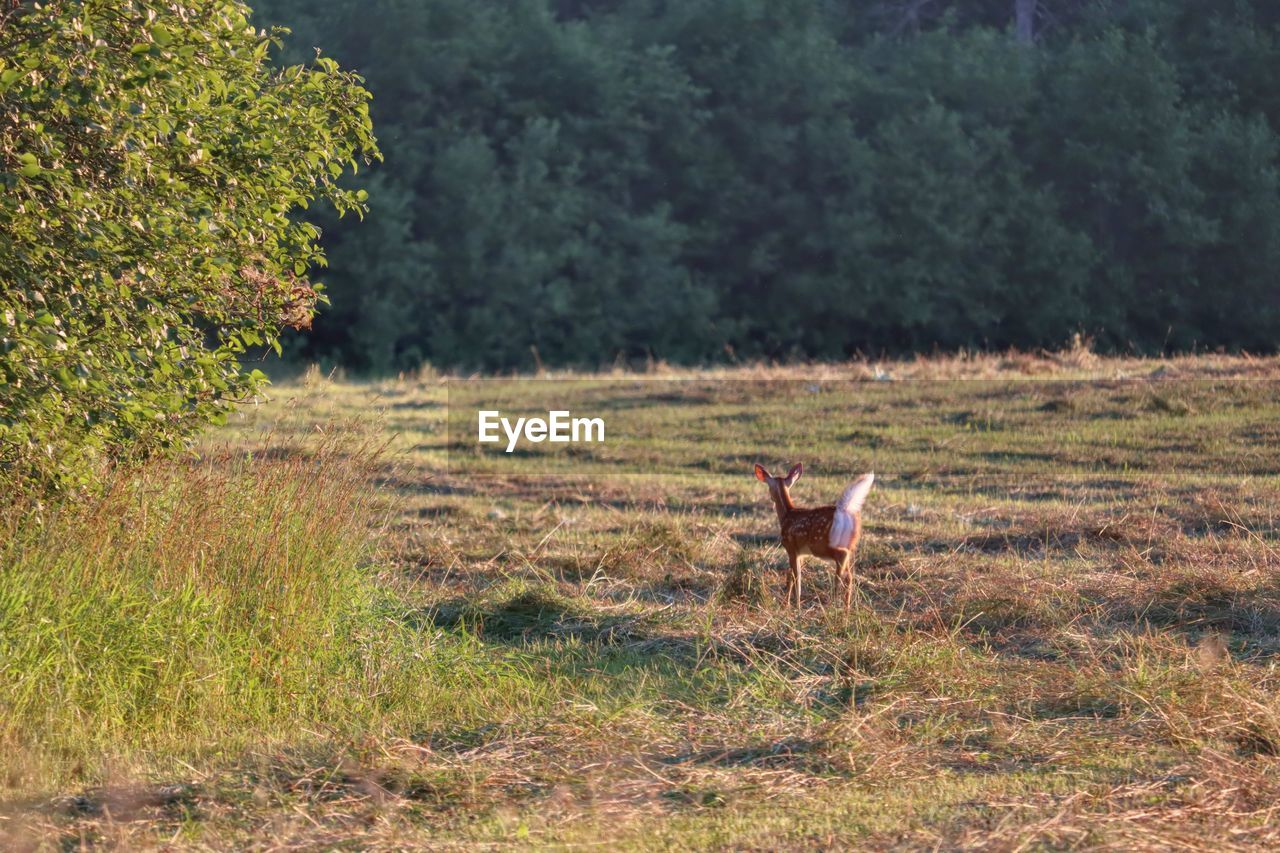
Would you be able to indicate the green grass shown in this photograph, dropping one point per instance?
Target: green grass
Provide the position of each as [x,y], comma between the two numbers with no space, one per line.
[1065,634]
[185,603]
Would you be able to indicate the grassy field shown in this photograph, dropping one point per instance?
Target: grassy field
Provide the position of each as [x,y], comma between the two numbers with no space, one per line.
[1066,633]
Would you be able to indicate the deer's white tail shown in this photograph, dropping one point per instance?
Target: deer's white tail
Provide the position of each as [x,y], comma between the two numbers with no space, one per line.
[844,523]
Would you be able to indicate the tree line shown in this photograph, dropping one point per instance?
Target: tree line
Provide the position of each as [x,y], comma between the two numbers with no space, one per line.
[578,181]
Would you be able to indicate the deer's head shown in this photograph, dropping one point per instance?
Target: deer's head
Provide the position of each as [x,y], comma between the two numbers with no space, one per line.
[780,487]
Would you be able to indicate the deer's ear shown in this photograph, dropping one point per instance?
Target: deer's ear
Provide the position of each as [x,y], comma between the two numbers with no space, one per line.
[761,474]
[793,475]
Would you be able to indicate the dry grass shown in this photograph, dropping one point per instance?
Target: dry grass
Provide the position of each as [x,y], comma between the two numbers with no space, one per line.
[1066,634]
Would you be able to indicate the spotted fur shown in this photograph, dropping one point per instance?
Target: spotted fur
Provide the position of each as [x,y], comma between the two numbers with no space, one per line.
[829,532]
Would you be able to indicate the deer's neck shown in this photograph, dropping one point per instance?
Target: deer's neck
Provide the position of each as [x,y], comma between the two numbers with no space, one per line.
[783,504]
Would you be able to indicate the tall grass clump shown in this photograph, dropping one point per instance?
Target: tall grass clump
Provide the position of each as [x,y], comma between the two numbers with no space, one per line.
[189,602]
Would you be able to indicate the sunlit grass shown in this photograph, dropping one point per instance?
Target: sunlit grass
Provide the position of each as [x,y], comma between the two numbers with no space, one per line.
[1065,632]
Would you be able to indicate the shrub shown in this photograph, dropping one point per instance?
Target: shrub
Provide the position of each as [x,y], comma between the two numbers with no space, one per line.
[151,161]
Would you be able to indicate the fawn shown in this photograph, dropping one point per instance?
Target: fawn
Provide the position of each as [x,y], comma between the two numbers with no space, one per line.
[830,532]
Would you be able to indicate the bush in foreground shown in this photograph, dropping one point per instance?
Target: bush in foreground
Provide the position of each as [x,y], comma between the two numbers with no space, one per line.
[152,162]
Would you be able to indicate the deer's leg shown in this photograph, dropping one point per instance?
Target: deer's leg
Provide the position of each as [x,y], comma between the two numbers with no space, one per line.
[848,580]
[850,554]
[843,559]
[793,578]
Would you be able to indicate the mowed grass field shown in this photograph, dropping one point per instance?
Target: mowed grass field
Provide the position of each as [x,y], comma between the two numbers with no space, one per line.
[1066,631]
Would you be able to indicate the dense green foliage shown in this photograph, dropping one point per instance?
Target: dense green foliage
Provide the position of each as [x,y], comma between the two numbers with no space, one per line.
[781,178]
[151,158]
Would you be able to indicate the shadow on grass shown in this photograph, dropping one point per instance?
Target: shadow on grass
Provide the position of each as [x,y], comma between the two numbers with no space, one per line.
[1195,604]
[788,753]
[419,405]
[754,540]
[535,616]
[529,617]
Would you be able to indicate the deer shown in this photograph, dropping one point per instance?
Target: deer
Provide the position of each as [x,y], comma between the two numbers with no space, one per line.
[830,532]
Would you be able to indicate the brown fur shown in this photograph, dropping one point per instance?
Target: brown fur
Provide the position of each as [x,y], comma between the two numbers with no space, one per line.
[806,531]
